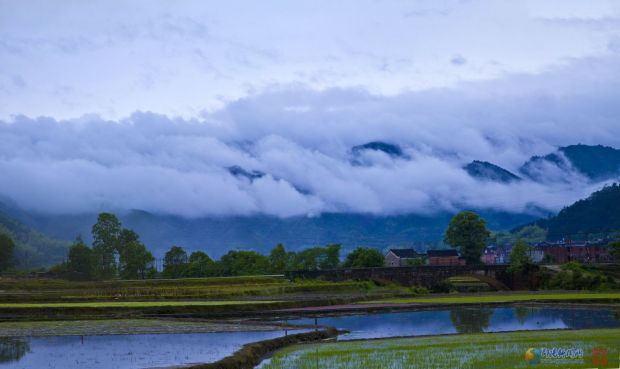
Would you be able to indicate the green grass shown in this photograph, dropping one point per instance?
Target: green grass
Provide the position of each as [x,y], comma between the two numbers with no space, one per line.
[472,351]
[120,326]
[128,304]
[219,288]
[500,297]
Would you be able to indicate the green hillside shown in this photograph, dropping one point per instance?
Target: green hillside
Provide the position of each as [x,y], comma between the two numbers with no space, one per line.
[598,215]
[33,249]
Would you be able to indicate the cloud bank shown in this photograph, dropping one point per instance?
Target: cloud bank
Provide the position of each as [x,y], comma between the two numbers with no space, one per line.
[302,139]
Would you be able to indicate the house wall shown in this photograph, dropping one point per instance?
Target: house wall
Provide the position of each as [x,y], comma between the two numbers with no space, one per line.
[391,260]
[426,275]
[444,260]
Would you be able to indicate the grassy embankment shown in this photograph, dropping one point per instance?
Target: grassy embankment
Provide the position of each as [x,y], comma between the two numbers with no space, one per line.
[50,290]
[475,351]
[558,296]
[123,326]
[54,298]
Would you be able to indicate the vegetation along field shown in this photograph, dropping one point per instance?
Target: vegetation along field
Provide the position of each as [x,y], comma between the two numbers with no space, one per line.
[471,351]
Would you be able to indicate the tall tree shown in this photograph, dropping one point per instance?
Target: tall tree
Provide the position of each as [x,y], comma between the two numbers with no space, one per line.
[614,250]
[7,248]
[135,261]
[364,257]
[332,257]
[520,259]
[175,262]
[278,259]
[244,263]
[200,265]
[106,234]
[125,237]
[80,261]
[468,233]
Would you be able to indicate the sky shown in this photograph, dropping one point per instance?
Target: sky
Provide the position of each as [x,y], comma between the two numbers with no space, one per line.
[145,104]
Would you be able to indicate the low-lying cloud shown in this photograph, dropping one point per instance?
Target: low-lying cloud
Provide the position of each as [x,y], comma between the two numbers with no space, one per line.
[302,139]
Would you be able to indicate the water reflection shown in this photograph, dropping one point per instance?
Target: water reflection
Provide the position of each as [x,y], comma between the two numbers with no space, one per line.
[465,320]
[123,351]
[13,349]
[471,320]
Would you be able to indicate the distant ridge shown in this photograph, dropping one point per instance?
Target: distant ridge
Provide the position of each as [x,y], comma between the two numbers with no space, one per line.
[487,171]
[597,215]
[597,163]
[33,248]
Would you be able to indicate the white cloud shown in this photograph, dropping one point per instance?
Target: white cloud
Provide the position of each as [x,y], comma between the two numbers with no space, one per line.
[112,58]
[171,165]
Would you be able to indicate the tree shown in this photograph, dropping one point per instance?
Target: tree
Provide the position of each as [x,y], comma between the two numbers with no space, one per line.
[530,234]
[106,234]
[135,261]
[364,257]
[175,262]
[315,258]
[80,261]
[520,259]
[614,250]
[125,237]
[468,233]
[7,248]
[332,257]
[200,265]
[278,259]
[244,263]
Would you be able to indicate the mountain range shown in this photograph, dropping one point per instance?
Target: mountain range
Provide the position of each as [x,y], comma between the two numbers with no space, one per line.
[594,163]
[42,238]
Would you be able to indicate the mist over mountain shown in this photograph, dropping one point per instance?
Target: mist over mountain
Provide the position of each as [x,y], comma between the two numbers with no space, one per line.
[574,163]
[487,171]
[293,151]
[596,163]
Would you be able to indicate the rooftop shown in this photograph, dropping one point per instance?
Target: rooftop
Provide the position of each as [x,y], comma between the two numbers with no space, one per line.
[441,253]
[404,253]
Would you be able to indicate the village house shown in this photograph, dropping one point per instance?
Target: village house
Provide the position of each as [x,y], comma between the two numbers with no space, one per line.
[444,257]
[565,251]
[400,257]
[496,254]
[559,252]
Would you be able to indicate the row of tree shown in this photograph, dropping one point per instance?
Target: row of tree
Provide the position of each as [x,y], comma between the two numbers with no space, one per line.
[117,252]
[7,249]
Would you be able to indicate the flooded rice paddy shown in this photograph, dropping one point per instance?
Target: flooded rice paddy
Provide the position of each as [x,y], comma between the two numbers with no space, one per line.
[466,320]
[123,351]
[131,351]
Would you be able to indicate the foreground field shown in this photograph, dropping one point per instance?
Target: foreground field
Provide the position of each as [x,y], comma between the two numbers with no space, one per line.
[501,298]
[471,351]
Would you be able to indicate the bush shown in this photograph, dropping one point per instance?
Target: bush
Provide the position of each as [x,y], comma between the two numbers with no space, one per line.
[572,276]
[442,287]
